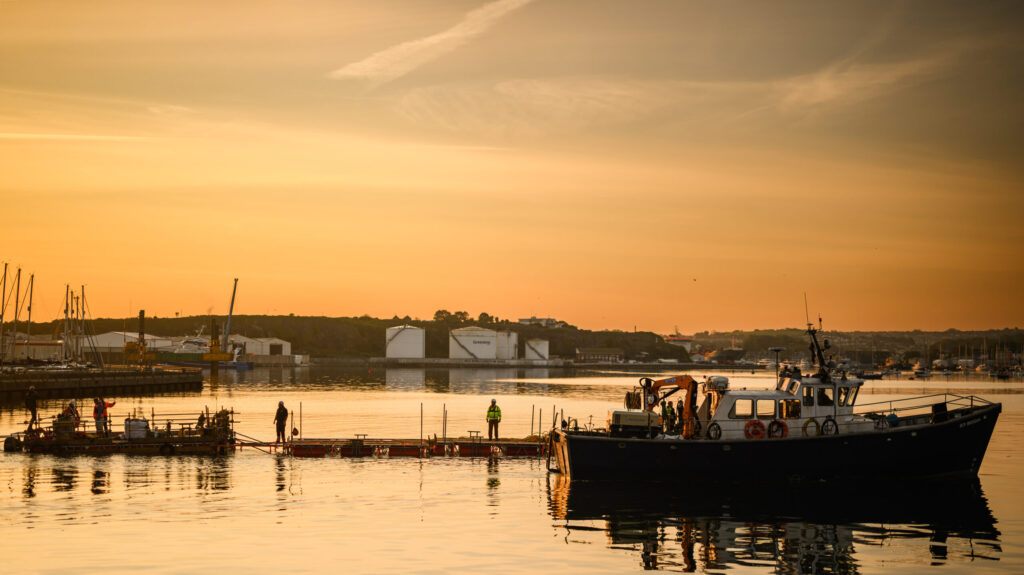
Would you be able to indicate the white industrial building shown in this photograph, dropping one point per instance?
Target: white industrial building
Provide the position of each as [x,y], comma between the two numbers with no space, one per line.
[536,349]
[113,341]
[507,345]
[472,343]
[406,342]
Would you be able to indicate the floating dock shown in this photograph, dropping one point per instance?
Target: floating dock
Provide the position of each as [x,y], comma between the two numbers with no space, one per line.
[370,447]
[59,384]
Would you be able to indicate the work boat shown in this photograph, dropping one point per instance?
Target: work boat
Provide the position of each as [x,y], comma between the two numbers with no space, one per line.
[807,428]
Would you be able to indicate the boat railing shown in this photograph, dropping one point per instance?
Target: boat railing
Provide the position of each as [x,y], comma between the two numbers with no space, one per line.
[908,405]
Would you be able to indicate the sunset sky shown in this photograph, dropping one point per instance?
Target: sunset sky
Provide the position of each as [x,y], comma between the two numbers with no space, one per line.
[699,164]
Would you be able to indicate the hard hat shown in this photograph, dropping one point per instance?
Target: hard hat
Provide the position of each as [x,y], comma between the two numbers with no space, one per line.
[280,404]
[72,402]
[494,401]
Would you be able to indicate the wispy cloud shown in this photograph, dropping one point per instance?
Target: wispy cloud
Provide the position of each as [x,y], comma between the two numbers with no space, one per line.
[852,82]
[399,60]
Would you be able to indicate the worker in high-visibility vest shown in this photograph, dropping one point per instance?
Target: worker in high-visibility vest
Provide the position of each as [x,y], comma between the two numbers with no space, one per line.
[493,418]
[99,413]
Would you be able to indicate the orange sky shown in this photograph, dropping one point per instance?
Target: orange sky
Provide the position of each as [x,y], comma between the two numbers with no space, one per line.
[690,164]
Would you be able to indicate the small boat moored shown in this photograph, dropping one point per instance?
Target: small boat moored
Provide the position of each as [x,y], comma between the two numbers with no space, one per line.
[807,428]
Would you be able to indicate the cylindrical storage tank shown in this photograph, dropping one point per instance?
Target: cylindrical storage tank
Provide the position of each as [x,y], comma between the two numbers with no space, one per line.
[472,343]
[405,342]
[508,345]
[536,349]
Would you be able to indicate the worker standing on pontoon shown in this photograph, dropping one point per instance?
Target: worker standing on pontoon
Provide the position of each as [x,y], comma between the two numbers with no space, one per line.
[281,419]
[99,413]
[493,419]
[31,399]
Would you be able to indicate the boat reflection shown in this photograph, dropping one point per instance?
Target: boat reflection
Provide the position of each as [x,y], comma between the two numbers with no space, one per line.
[786,530]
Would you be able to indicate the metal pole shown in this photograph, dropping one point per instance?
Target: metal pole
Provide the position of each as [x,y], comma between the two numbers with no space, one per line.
[14,332]
[300,420]
[28,330]
[3,308]
[444,423]
[540,419]
[421,427]
[531,420]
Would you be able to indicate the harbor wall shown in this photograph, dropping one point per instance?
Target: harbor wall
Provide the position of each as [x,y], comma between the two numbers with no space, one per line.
[68,384]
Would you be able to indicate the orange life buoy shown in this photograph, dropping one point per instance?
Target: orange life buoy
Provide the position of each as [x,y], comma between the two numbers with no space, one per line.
[754,429]
[778,429]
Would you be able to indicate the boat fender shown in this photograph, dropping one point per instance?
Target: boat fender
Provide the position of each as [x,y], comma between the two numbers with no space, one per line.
[807,424]
[696,429]
[714,431]
[778,428]
[754,429]
[830,426]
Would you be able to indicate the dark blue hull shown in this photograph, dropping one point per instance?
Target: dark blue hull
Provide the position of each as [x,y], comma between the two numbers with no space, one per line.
[951,448]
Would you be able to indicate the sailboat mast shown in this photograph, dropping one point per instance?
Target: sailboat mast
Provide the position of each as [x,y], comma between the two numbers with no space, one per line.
[3,308]
[17,301]
[28,330]
[67,343]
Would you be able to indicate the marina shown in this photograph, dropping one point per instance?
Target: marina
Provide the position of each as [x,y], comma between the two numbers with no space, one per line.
[507,505]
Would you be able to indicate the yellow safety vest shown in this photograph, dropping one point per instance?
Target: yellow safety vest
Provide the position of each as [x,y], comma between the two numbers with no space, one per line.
[494,413]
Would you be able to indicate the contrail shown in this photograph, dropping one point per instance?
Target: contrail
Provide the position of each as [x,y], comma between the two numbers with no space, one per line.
[399,60]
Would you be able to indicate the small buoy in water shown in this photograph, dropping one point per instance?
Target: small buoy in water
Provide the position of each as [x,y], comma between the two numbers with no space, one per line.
[295,431]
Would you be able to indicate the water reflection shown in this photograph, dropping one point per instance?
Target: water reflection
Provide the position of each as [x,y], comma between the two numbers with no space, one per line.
[213,473]
[64,478]
[99,482]
[788,530]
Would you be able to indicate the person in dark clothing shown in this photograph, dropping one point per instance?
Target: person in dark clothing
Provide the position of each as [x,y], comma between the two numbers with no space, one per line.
[31,399]
[281,419]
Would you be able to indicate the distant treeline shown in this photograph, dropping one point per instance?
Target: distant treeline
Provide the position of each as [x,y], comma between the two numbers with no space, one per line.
[364,337]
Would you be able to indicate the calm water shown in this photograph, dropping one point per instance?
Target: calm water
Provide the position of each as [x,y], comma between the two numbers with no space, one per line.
[272,513]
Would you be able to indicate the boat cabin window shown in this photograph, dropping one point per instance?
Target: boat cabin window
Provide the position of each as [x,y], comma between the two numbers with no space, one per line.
[742,409]
[824,396]
[844,394]
[853,395]
[765,408]
[809,396]
[791,387]
[790,409]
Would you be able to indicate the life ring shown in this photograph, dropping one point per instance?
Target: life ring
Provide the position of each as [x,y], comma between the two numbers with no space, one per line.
[830,426]
[778,429]
[754,429]
[714,431]
[817,427]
